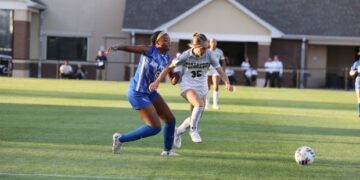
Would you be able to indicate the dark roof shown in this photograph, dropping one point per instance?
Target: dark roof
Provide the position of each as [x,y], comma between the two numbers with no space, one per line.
[309,17]
[298,17]
[149,14]
[39,2]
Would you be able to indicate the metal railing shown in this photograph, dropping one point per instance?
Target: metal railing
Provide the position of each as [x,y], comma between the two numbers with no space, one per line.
[333,78]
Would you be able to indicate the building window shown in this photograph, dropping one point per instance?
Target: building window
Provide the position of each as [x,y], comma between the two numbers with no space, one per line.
[6,33]
[70,48]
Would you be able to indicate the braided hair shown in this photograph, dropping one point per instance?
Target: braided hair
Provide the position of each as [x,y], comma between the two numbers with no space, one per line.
[155,36]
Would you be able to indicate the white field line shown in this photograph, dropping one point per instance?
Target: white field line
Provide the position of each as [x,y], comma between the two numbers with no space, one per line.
[67,176]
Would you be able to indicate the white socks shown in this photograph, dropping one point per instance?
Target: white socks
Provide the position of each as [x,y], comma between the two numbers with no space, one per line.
[195,117]
[207,100]
[191,122]
[184,126]
[215,98]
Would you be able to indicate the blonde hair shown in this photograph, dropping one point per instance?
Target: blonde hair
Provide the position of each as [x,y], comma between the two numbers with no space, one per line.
[198,39]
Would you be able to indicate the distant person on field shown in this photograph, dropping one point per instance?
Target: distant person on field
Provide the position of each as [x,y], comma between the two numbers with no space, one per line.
[66,71]
[101,61]
[355,72]
[213,75]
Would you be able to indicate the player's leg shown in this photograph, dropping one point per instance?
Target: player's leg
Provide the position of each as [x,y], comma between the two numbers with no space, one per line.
[216,81]
[207,100]
[152,126]
[167,116]
[196,113]
[148,114]
[185,125]
[357,90]
[266,79]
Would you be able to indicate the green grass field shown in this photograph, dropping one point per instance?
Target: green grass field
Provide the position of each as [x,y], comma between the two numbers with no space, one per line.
[62,129]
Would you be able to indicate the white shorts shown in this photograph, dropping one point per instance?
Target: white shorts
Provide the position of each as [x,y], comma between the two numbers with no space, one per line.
[212,72]
[200,90]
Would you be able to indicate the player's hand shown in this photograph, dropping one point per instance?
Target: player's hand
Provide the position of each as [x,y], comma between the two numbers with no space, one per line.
[153,86]
[108,50]
[229,87]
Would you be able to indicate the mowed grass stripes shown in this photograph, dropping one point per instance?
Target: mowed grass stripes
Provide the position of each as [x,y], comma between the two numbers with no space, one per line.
[61,129]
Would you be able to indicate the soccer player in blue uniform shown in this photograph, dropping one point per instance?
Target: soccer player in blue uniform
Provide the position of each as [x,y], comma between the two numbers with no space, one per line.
[355,71]
[149,104]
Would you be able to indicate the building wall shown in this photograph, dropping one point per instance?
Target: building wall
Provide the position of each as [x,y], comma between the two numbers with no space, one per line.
[34,36]
[209,19]
[22,20]
[338,58]
[316,66]
[99,21]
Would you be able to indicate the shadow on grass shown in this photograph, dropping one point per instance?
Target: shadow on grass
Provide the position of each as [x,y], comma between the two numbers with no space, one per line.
[177,99]
[66,95]
[279,103]
[92,125]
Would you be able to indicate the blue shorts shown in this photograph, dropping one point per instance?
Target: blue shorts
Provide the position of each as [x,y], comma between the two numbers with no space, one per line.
[140,100]
[357,83]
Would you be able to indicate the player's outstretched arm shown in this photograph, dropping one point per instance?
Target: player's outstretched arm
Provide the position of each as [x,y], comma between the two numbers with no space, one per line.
[154,85]
[134,49]
[174,77]
[223,76]
[352,73]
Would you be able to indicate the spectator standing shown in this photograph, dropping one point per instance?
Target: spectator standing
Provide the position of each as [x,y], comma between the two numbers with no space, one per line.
[277,72]
[268,70]
[101,61]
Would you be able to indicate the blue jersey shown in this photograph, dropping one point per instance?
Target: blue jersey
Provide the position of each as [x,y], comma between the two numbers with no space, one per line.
[150,66]
[356,67]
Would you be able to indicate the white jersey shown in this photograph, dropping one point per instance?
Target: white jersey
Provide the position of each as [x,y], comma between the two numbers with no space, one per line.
[268,66]
[219,56]
[194,70]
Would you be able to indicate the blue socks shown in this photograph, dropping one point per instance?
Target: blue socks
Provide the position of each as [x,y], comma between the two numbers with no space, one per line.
[139,133]
[146,131]
[169,129]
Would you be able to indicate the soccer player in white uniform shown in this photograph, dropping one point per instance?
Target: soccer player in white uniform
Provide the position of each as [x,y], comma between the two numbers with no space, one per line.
[193,85]
[213,75]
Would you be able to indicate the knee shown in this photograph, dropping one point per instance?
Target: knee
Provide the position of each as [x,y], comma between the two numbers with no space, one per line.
[155,130]
[199,104]
[171,122]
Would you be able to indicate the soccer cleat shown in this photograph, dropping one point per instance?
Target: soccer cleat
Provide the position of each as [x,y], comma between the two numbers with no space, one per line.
[177,139]
[169,153]
[116,143]
[216,107]
[195,136]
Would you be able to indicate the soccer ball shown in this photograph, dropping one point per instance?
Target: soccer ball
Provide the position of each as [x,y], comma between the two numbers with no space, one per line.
[304,155]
